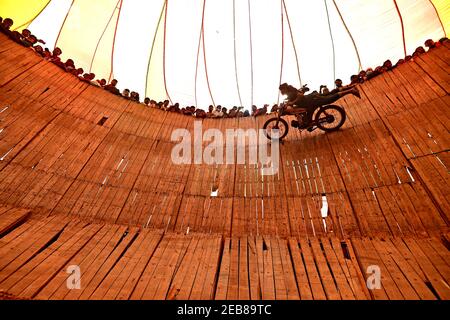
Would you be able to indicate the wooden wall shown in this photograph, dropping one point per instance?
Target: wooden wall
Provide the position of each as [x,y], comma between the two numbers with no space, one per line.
[384,176]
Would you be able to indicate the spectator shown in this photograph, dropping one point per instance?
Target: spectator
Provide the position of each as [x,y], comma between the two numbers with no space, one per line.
[400,62]
[254,110]
[418,51]
[430,44]
[218,112]
[224,111]
[102,83]
[134,96]
[88,77]
[47,54]
[112,87]
[55,58]
[233,112]
[210,113]
[165,105]
[199,113]
[261,111]
[324,90]
[78,72]
[126,93]
[39,50]
[6,25]
[69,65]
[387,64]
[55,55]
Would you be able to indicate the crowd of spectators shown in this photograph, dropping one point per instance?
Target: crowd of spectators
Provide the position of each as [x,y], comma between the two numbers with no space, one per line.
[27,39]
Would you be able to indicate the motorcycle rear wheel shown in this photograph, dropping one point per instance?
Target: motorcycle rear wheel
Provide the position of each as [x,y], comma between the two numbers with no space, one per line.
[330,118]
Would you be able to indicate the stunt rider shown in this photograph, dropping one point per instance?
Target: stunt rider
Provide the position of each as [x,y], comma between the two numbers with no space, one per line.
[297,102]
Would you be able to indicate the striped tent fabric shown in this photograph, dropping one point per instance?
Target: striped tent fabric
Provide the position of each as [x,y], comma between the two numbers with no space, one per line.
[229,52]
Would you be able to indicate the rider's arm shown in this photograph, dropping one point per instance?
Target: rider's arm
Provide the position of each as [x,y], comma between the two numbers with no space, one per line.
[297,99]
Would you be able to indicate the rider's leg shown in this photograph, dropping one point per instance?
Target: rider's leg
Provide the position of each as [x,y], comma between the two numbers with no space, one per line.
[293,110]
[324,100]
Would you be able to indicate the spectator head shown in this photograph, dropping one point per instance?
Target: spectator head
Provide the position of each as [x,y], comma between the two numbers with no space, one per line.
[70,63]
[246,113]
[126,93]
[102,82]
[134,96]
[219,107]
[354,78]
[7,23]
[419,50]
[89,76]
[338,83]
[57,52]
[39,50]
[400,61]
[387,64]
[369,73]
[430,44]
[408,58]
[114,82]
[254,108]
[147,101]
[47,53]
[211,108]
[79,71]
[26,33]
[32,39]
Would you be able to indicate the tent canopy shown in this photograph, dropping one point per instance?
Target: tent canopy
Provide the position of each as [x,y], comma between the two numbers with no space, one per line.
[229,52]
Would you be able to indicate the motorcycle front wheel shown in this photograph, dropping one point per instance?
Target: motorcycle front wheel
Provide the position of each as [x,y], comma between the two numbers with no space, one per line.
[276,124]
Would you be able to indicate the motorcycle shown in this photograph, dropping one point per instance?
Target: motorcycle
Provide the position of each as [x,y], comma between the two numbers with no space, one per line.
[326,117]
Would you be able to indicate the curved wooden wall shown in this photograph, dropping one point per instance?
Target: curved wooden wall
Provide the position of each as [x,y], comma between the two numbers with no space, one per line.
[92,192]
